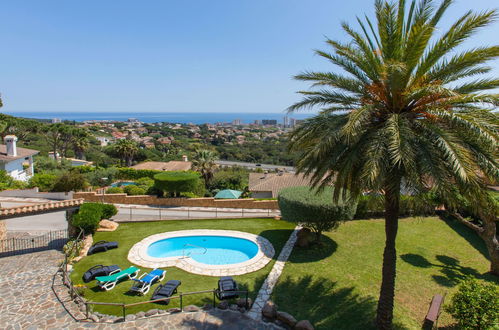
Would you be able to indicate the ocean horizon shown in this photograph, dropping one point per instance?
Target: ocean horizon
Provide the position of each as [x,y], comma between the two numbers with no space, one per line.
[155,117]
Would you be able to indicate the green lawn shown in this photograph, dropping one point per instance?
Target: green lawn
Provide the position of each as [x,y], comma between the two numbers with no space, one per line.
[128,234]
[336,287]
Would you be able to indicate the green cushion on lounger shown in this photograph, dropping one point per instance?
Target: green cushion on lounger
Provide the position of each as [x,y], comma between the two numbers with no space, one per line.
[129,271]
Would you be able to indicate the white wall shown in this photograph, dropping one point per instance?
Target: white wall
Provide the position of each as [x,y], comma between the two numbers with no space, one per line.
[33,193]
[15,169]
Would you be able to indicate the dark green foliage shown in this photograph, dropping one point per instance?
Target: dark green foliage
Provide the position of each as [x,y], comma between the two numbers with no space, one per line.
[44,181]
[316,211]
[372,205]
[7,182]
[134,190]
[235,178]
[125,173]
[90,214]
[114,190]
[70,181]
[475,305]
[101,176]
[176,182]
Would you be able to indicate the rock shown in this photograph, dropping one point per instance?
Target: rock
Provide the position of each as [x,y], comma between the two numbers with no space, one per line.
[241,302]
[93,318]
[107,225]
[118,320]
[304,325]
[303,237]
[223,305]
[151,312]
[139,315]
[207,307]
[174,310]
[130,317]
[191,308]
[269,310]
[233,307]
[286,318]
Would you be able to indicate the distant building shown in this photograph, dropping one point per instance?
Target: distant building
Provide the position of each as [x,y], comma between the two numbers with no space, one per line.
[173,165]
[292,122]
[236,122]
[257,122]
[104,141]
[285,121]
[269,122]
[17,162]
[56,120]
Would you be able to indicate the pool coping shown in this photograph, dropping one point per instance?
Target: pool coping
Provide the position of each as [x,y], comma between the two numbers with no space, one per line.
[138,254]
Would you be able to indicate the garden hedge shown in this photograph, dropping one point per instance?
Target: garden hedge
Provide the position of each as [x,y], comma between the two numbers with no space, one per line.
[176,182]
[126,173]
[372,206]
[90,214]
[316,211]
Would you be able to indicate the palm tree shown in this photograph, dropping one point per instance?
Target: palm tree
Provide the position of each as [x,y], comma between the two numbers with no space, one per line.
[80,142]
[204,163]
[402,116]
[127,149]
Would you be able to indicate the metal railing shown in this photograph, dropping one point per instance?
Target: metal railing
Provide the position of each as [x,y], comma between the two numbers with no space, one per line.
[188,244]
[134,213]
[20,245]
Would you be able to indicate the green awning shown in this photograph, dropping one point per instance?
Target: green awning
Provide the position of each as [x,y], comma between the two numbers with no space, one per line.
[228,194]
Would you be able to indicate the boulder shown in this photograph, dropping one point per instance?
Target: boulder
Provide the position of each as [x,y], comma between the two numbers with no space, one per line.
[241,302]
[303,237]
[118,320]
[130,317]
[107,225]
[207,307]
[223,305]
[151,312]
[191,308]
[173,310]
[140,314]
[93,318]
[286,318]
[270,310]
[304,325]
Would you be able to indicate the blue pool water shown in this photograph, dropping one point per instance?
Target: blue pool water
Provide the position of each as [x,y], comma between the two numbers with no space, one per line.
[123,183]
[211,250]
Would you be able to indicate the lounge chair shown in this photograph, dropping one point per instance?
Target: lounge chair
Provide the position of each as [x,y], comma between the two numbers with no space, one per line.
[227,288]
[166,290]
[144,282]
[102,246]
[109,282]
[99,270]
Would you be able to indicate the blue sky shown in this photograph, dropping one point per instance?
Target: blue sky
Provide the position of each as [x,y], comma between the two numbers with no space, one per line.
[171,56]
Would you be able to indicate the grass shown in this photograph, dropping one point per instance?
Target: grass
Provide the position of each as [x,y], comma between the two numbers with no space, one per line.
[337,285]
[128,234]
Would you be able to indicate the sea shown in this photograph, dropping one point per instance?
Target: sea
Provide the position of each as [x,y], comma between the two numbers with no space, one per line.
[170,117]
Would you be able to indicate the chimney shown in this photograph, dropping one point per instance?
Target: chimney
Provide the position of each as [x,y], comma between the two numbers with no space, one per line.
[184,158]
[10,141]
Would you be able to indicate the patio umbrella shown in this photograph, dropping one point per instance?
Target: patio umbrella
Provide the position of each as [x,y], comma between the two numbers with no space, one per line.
[228,194]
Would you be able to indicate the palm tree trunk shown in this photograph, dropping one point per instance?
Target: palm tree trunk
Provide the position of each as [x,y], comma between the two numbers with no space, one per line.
[384,313]
[489,236]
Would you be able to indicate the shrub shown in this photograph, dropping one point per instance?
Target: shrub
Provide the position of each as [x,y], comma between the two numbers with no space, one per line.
[475,305]
[114,190]
[90,214]
[101,176]
[316,211]
[176,182]
[126,173]
[70,181]
[134,190]
[7,182]
[70,251]
[44,181]
[372,205]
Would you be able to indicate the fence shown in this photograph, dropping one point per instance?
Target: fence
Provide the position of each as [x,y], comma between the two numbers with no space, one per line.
[126,213]
[48,241]
[125,308]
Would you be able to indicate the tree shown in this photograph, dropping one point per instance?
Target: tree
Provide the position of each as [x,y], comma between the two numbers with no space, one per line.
[127,149]
[402,116]
[204,163]
[56,135]
[315,209]
[80,142]
[176,182]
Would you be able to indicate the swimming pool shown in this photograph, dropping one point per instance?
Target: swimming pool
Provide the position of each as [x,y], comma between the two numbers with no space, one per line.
[123,184]
[204,251]
[210,250]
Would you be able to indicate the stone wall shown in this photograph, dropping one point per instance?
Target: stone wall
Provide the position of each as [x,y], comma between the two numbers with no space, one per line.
[247,203]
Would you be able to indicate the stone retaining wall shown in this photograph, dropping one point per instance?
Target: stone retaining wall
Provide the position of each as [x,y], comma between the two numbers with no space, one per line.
[247,203]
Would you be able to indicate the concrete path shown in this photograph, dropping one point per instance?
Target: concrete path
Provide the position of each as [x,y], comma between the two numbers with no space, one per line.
[271,280]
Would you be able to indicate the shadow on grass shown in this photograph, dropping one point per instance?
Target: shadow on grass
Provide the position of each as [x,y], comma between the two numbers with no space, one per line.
[325,304]
[452,272]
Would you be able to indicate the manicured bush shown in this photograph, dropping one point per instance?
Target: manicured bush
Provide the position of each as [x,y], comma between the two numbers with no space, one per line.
[90,214]
[70,181]
[126,173]
[313,210]
[134,190]
[44,181]
[475,305]
[176,182]
[372,206]
[114,190]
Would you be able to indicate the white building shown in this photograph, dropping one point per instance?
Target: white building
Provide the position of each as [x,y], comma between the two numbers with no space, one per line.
[17,162]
